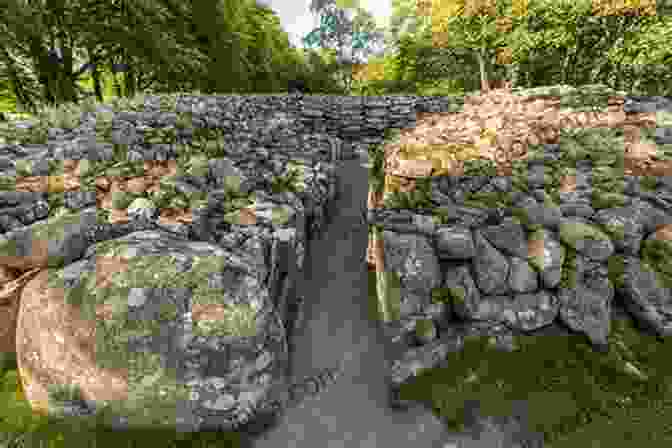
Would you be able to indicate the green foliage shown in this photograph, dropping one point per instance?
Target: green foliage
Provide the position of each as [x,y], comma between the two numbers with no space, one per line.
[286,182]
[167,46]
[386,87]
[171,46]
[419,198]
[337,31]
[376,172]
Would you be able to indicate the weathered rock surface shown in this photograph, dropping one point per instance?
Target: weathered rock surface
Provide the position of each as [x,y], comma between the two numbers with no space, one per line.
[128,338]
[175,309]
[212,363]
[529,265]
[12,284]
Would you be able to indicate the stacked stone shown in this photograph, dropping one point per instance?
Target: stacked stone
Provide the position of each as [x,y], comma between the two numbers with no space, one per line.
[269,255]
[261,134]
[503,278]
[259,131]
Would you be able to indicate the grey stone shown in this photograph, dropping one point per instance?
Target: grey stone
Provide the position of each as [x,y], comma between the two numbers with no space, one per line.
[491,268]
[482,253]
[504,276]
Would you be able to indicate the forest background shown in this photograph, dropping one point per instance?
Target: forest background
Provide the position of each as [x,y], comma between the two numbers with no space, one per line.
[61,51]
[54,52]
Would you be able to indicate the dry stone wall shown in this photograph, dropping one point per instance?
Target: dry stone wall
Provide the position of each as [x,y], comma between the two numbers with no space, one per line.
[228,188]
[499,256]
[354,120]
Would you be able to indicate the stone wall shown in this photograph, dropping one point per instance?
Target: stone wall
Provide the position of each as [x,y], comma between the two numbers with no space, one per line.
[351,119]
[259,136]
[532,266]
[289,127]
[573,235]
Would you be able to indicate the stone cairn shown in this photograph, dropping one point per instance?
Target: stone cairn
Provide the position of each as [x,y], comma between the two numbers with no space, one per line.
[262,242]
[452,269]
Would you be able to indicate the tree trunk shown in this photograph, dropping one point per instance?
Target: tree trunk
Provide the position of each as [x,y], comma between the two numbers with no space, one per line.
[130,81]
[44,69]
[127,75]
[117,85]
[514,70]
[97,87]
[66,78]
[485,86]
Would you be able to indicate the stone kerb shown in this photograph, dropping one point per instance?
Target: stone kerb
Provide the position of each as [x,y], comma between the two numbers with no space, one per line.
[261,138]
[479,255]
[503,272]
[261,246]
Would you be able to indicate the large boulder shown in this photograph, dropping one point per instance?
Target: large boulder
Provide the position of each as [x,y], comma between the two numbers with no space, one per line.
[27,251]
[11,285]
[154,329]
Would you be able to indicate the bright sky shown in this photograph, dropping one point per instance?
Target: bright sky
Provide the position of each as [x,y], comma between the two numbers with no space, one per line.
[297,20]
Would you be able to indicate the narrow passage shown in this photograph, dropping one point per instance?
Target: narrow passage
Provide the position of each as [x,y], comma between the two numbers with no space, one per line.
[354,411]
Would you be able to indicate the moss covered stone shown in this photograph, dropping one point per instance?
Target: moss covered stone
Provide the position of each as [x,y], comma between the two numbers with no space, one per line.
[424,329]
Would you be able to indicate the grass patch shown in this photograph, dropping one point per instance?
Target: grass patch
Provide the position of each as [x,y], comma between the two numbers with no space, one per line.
[575,396]
[20,427]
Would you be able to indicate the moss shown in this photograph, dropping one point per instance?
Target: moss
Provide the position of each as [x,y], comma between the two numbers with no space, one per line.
[61,393]
[424,328]
[121,199]
[648,183]
[616,270]
[521,215]
[568,276]
[376,155]
[572,232]
[656,253]
[615,231]
[291,180]
[583,386]
[419,198]
[608,200]
[20,426]
[441,295]
[458,294]
[488,199]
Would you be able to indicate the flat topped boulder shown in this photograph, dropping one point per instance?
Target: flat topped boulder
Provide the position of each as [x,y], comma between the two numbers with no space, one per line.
[153,328]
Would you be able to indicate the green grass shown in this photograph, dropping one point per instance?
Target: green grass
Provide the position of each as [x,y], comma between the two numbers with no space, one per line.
[575,396]
[20,427]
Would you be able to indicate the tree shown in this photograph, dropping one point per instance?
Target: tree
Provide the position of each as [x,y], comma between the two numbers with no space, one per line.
[483,27]
[348,37]
[71,28]
[647,48]
[158,44]
[530,37]
[24,54]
